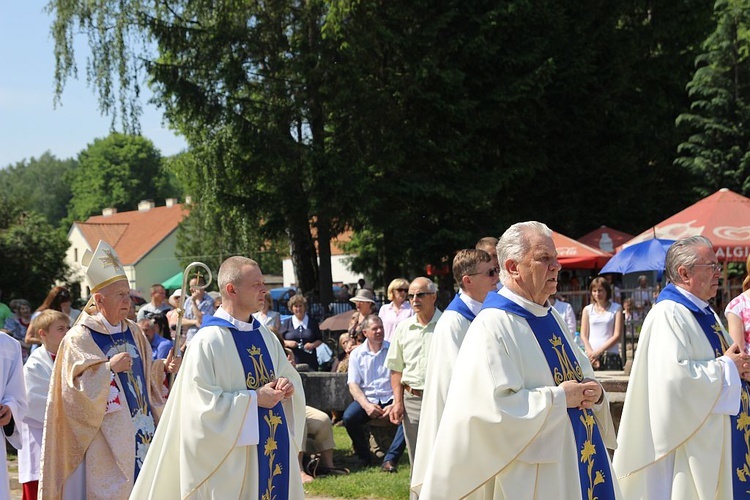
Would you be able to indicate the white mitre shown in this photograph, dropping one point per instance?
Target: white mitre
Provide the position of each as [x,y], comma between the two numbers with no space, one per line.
[102,267]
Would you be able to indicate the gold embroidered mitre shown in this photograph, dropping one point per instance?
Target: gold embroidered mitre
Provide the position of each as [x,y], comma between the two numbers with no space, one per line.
[102,267]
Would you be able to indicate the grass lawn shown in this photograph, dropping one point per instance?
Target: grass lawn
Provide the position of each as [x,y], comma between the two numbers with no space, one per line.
[368,482]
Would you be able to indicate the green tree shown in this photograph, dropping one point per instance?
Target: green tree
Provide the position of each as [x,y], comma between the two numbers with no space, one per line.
[717,146]
[40,185]
[33,254]
[117,171]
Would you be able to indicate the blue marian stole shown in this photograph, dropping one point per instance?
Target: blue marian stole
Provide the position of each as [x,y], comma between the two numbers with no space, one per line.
[133,387]
[273,445]
[594,472]
[740,422]
[461,308]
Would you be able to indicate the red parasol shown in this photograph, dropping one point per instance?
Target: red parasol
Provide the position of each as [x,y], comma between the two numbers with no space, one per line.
[605,238]
[573,254]
[723,217]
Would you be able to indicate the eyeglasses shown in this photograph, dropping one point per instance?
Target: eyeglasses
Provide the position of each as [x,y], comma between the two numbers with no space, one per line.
[491,273]
[418,295]
[402,290]
[714,267]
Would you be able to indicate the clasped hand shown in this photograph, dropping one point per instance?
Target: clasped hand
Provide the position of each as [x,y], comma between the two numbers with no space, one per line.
[275,391]
[740,359]
[582,395]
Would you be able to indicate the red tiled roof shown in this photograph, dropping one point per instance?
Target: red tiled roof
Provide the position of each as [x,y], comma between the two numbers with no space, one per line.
[133,234]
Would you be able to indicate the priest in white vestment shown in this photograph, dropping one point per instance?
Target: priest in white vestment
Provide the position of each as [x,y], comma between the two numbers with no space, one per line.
[476,276]
[13,405]
[680,436]
[524,418]
[233,424]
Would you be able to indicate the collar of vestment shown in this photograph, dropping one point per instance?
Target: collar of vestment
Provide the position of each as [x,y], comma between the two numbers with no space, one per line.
[102,321]
[226,320]
[519,305]
[682,296]
[460,305]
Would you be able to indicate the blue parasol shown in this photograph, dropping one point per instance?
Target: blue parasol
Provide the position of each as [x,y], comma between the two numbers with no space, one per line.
[646,255]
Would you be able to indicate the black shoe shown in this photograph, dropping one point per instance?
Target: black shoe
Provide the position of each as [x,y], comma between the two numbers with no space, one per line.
[333,471]
[389,466]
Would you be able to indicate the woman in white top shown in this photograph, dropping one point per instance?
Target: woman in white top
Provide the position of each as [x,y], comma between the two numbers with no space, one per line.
[601,327]
[268,317]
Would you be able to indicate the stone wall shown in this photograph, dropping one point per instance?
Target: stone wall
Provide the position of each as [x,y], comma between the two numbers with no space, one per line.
[328,391]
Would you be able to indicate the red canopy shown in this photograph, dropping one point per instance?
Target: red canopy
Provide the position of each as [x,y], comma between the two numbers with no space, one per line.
[573,254]
[723,217]
[608,243]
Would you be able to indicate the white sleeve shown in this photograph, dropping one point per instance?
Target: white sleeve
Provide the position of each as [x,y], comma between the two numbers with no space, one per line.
[249,433]
[729,400]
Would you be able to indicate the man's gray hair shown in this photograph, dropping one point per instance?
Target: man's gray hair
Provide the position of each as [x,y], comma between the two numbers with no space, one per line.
[431,287]
[514,243]
[231,271]
[684,253]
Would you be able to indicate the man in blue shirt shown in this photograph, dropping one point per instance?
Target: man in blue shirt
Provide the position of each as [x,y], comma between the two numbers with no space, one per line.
[370,385]
[160,346]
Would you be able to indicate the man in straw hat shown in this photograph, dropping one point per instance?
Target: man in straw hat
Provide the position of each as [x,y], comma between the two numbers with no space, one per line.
[105,394]
[235,417]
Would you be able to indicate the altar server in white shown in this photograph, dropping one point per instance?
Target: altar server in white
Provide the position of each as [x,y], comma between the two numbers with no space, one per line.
[50,326]
[233,423]
[680,435]
[524,417]
[476,276]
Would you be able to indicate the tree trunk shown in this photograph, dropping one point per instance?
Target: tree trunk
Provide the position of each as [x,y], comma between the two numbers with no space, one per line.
[304,258]
[325,274]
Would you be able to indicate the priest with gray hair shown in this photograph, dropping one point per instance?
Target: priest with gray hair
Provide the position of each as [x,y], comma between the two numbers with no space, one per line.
[524,417]
[681,435]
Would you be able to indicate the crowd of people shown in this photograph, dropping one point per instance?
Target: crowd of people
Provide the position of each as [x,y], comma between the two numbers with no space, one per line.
[490,397]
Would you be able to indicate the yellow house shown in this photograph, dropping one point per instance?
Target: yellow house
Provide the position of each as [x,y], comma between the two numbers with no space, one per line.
[145,240]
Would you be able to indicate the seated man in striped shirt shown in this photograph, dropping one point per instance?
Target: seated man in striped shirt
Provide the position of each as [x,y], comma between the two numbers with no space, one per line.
[370,385]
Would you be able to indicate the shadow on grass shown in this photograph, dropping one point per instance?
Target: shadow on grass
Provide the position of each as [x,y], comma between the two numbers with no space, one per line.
[362,482]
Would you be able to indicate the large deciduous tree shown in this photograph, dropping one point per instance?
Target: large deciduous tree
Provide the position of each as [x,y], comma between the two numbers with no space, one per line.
[117,171]
[245,83]
[717,147]
[32,253]
[40,184]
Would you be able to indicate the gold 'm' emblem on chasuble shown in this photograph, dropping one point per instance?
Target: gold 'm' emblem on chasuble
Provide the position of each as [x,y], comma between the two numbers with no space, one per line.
[262,375]
[567,369]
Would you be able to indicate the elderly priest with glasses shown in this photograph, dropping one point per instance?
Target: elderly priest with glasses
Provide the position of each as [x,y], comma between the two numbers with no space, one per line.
[681,435]
[524,417]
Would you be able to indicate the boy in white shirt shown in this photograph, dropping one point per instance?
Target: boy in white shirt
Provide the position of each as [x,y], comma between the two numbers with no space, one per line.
[50,326]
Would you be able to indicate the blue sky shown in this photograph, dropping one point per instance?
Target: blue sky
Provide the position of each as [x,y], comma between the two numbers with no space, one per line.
[29,122]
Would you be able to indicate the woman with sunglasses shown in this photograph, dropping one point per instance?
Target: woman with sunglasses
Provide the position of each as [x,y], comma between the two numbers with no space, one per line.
[398,309]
